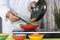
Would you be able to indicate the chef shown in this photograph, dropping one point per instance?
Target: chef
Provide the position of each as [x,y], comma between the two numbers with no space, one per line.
[20,8]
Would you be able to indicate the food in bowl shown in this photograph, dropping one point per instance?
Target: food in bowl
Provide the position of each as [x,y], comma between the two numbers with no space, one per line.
[19,37]
[29,27]
[33,19]
[3,34]
[36,36]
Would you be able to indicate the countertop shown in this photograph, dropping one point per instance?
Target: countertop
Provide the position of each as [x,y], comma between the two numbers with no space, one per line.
[10,38]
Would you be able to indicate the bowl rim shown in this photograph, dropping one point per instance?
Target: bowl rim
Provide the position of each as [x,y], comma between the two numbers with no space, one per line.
[26,24]
[4,34]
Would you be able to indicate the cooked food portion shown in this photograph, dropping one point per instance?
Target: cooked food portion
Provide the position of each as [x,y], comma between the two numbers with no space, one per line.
[33,19]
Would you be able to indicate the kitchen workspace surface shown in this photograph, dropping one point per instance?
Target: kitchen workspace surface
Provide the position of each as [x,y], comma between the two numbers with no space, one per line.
[10,38]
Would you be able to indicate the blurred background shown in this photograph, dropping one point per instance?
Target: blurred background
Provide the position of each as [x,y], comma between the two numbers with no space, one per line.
[51,20]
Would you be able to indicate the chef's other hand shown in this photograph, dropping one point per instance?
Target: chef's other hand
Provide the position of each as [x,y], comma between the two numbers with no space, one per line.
[12,16]
[32,4]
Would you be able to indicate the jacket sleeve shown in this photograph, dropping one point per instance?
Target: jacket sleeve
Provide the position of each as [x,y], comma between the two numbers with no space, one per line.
[34,0]
[4,8]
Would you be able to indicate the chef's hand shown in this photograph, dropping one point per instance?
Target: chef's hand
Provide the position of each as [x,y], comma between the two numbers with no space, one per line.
[32,4]
[12,17]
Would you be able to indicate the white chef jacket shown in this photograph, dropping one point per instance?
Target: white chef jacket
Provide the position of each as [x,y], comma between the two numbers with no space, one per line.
[19,6]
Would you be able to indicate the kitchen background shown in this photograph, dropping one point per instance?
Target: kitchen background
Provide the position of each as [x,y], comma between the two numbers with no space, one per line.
[51,20]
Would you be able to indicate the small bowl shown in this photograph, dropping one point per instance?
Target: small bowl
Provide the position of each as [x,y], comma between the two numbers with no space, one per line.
[19,36]
[29,27]
[3,36]
[33,37]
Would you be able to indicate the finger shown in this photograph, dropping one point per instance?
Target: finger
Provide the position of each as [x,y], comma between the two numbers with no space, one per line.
[16,18]
[29,8]
[31,5]
[13,18]
[14,13]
